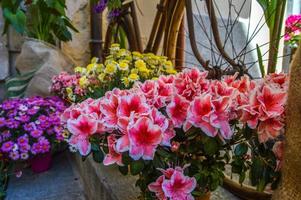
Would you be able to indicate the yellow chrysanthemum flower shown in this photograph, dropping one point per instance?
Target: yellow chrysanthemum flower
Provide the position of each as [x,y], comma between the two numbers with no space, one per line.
[78,69]
[123,65]
[171,71]
[94,60]
[125,81]
[83,82]
[168,63]
[91,67]
[101,77]
[110,68]
[133,77]
[155,78]
[140,64]
[99,68]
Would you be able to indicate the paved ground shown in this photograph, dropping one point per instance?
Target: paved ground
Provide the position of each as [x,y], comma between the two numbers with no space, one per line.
[61,182]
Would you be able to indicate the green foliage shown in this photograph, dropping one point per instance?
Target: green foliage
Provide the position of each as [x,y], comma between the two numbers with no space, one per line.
[41,19]
[260,61]
[274,11]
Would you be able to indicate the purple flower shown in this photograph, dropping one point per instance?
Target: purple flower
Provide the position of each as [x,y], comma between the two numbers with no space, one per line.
[7,146]
[19,173]
[24,148]
[29,127]
[6,134]
[11,123]
[23,140]
[36,133]
[24,118]
[23,108]
[32,111]
[42,118]
[101,5]
[113,14]
[35,149]
[14,155]
[7,105]
[44,145]
[2,122]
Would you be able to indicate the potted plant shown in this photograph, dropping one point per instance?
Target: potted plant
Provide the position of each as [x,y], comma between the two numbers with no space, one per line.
[30,130]
[121,69]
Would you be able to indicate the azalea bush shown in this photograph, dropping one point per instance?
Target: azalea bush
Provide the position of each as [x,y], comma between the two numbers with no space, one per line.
[293,30]
[29,127]
[121,69]
[179,132]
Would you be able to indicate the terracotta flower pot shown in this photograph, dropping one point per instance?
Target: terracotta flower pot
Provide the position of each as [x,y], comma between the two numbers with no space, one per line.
[41,163]
[204,197]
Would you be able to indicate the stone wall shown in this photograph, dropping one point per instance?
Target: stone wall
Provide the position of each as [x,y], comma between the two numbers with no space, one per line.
[79,48]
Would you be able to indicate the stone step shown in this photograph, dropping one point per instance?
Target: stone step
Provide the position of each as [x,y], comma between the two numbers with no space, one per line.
[61,182]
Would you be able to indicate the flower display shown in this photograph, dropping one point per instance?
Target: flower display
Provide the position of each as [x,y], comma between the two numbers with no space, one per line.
[185,120]
[292,30]
[121,69]
[30,126]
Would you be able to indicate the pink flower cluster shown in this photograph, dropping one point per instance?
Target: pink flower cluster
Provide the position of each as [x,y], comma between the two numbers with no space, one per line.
[142,118]
[292,27]
[65,80]
[29,126]
[173,185]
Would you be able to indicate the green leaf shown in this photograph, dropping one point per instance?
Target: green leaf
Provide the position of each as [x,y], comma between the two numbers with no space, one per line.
[17,19]
[98,156]
[123,170]
[241,149]
[210,146]
[256,171]
[136,167]
[260,61]
[126,159]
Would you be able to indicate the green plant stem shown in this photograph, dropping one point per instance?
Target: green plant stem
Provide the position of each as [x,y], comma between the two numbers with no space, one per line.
[275,33]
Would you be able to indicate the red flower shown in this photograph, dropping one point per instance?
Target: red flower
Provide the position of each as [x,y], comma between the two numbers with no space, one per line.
[177,110]
[199,114]
[144,138]
[113,156]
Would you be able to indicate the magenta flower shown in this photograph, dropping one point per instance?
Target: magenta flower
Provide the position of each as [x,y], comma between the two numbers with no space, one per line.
[14,155]
[2,122]
[179,186]
[156,187]
[7,146]
[113,156]
[81,129]
[177,110]
[23,140]
[199,114]
[144,138]
[36,133]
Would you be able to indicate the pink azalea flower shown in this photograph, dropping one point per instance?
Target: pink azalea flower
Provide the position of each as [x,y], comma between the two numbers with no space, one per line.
[271,102]
[149,89]
[269,129]
[133,103]
[113,156]
[199,114]
[278,150]
[156,187]
[144,138]
[177,110]
[219,118]
[81,129]
[179,187]
[109,107]
[190,83]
